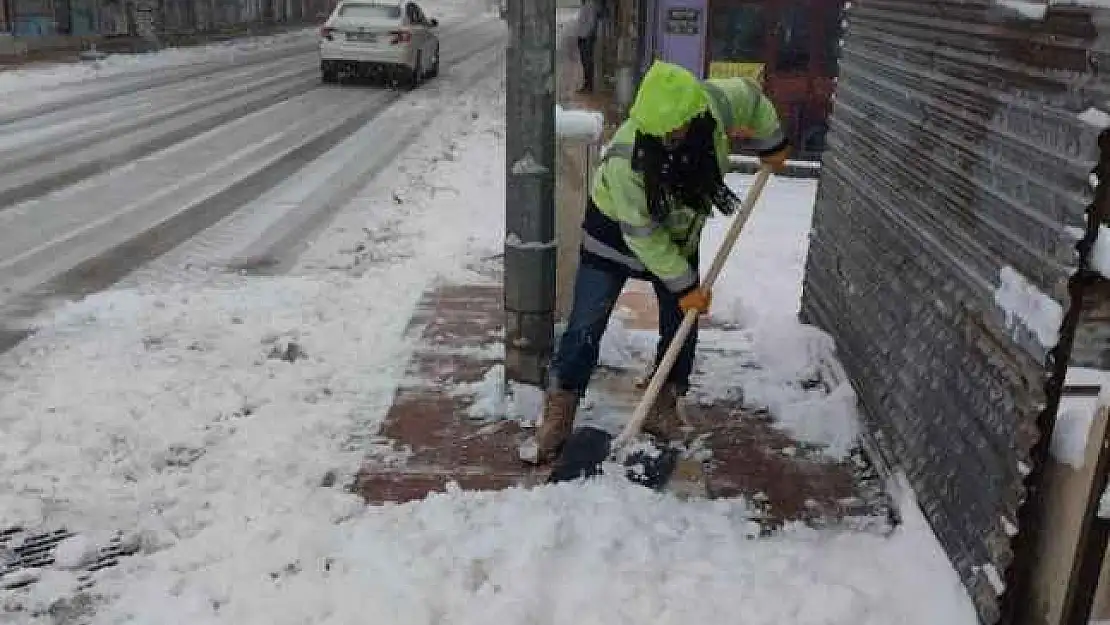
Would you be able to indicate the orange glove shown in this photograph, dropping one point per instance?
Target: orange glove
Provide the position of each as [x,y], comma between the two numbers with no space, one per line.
[776,161]
[699,299]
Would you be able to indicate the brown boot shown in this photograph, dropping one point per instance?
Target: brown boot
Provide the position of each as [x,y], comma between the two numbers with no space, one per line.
[663,420]
[559,409]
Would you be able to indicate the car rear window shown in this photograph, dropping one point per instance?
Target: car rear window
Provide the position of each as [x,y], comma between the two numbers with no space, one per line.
[371,11]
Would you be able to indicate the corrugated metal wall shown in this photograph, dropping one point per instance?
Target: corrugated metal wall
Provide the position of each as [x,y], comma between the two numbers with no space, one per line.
[952,197]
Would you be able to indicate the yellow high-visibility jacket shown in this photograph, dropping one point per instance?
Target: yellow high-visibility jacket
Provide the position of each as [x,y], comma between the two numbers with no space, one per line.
[619,231]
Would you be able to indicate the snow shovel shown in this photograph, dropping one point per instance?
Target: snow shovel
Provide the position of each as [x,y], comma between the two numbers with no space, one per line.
[588,447]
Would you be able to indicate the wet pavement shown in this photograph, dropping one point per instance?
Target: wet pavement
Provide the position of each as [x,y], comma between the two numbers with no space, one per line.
[429,439]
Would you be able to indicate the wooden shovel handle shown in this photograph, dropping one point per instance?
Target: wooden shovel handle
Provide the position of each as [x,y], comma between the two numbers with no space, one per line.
[632,428]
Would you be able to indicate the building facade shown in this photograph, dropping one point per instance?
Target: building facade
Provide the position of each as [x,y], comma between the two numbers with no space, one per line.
[120,18]
[791,46]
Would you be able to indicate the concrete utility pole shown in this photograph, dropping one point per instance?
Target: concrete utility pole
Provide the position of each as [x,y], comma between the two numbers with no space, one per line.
[529,190]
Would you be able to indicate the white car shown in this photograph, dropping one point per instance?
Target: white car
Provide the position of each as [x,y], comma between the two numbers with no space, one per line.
[392,40]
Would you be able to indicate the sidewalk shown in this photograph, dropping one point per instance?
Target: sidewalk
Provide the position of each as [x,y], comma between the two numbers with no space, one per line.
[445,425]
[459,329]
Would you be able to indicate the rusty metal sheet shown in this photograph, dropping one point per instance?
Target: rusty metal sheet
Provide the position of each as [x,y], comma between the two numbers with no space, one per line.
[959,153]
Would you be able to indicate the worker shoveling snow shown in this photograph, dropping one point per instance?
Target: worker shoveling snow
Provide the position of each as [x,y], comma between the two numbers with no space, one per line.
[185,418]
[588,447]
[659,180]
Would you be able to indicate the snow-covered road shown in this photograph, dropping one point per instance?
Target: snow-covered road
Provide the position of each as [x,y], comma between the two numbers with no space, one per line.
[99,176]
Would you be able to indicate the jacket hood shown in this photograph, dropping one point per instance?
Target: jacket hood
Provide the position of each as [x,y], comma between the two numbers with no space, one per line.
[669,96]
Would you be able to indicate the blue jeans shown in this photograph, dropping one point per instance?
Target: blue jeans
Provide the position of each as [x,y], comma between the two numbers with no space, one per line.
[595,294]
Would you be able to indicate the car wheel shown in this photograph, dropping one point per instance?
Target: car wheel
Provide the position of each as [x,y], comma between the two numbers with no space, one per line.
[434,70]
[413,81]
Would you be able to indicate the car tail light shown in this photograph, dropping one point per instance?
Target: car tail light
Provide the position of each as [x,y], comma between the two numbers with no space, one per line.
[400,36]
[326,32]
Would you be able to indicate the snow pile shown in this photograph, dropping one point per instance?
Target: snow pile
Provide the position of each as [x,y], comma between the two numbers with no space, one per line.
[762,282]
[1073,427]
[130,402]
[1095,117]
[566,554]
[74,553]
[1038,9]
[1022,301]
[1100,253]
[579,124]
[1027,9]
[787,370]
[783,370]
[492,401]
[1076,415]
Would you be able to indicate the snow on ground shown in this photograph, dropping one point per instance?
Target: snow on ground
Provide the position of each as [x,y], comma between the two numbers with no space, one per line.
[759,291]
[206,419]
[568,554]
[217,425]
[42,76]
[762,283]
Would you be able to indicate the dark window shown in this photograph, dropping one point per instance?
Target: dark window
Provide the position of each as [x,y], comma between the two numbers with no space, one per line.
[834,17]
[737,33]
[418,15]
[370,11]
[794,39]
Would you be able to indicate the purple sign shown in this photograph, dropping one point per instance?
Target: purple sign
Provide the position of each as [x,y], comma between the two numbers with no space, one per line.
[681,27]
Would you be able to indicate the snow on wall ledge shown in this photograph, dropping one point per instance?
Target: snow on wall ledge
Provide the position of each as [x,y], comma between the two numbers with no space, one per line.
[1038,9]
[581,124]
[951,199]
[1024,302]
[1075,416]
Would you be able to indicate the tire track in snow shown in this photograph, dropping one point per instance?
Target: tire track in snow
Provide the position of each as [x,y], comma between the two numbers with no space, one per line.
[88,112]
[100,90]
[28,173]
[267,235]
[51,99]
[179,218]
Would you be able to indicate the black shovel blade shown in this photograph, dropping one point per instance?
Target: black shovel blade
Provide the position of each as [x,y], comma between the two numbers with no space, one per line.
[652,470]
[588,448]
[582,455]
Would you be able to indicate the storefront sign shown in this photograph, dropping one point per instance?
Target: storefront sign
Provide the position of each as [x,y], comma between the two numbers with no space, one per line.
[732,69]
[683,21]
[32,8]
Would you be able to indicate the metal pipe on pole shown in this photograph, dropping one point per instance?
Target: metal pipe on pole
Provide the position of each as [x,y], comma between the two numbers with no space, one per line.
[530,190]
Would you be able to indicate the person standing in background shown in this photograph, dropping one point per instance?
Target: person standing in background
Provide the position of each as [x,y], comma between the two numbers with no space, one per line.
[587,41]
